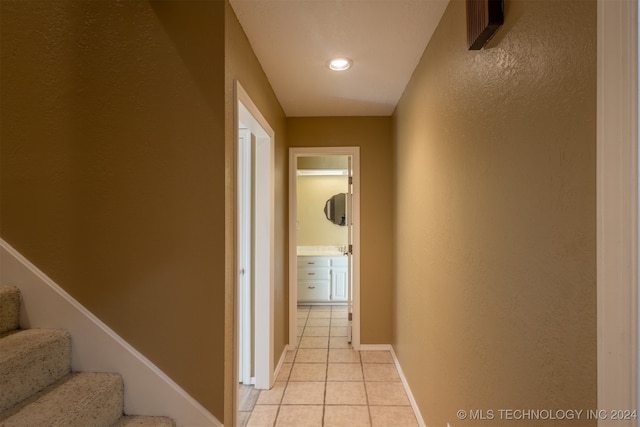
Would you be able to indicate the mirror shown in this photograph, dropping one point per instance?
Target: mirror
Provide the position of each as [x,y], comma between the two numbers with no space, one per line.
[336,209]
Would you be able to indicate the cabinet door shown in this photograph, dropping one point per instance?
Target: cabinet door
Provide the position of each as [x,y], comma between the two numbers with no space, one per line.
[339,284]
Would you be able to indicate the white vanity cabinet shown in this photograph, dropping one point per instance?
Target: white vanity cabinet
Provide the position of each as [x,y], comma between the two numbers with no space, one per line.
[314,279]
[339,276]
[322,278]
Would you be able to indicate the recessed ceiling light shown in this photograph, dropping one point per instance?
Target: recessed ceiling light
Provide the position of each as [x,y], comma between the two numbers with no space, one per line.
[340,64]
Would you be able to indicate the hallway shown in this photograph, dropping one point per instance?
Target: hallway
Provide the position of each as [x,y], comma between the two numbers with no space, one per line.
[326,383]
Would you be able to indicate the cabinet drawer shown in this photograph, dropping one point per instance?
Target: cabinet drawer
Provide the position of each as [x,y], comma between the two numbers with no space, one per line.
[313,290]
[313,261]
[313,274]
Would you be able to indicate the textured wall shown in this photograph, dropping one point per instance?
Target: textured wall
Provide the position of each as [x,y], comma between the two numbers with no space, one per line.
[314,229]
[112,169]
[495,217]
[373,136]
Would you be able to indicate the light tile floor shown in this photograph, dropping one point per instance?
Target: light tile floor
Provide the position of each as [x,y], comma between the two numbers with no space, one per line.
[327,383]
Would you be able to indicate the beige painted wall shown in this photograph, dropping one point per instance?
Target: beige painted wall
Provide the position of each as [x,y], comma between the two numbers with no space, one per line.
[373,136]
[113,169]
[314,229]
[242,65]
[495,217]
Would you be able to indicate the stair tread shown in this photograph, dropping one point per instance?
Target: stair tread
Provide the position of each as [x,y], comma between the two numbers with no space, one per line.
[142,421]
[9,308]
[21,341]
[78,399]
[30,360]
[37,388]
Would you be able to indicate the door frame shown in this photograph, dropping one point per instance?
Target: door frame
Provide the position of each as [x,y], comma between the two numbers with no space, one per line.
[294,153]
[617,207]
[264,246]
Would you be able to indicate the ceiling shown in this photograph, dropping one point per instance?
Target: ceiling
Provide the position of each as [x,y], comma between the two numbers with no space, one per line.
[294,39]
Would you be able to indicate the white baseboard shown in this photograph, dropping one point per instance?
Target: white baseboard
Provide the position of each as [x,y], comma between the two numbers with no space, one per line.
[97,348]
[389,347]
[283,356]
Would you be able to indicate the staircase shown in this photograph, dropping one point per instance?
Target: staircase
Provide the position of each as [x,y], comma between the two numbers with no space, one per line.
[37,387]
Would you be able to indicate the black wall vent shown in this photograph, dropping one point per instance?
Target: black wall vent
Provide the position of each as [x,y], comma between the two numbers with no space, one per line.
[484,17]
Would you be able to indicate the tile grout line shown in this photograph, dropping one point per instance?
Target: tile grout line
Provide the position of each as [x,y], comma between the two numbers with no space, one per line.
[286,385]
[328,348]
[326,371]
[366,394]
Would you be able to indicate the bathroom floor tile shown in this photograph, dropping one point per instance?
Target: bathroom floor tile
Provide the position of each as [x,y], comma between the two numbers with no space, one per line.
[308,372]
[316,331]
[344,372]
[376,357]
[343,355]
[263,416]
[304,393]
[325,383]
[339,416]
[338,331]
[339,313]
[385,416]
[345,393]
[314,342]
[290,356]
[273,396]
[300,416]
[312,355]
[320,315]
[338,342]
[386,393]
[285,370]
[318,322]
[380,372]
[339,322]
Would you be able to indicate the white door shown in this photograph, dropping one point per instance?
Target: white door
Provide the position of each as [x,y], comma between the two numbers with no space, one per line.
[349,253]
[245,249]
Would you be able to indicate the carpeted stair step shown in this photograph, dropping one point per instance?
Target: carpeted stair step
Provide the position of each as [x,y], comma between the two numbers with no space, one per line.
[139,421]
[77,400]
[37,388]
[30,360]
[9,308]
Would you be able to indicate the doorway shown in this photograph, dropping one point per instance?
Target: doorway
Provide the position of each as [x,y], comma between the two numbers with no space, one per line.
[324,257]
[255,244]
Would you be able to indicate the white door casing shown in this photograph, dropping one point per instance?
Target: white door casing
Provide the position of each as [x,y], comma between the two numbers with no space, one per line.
[617,209]
[264,231]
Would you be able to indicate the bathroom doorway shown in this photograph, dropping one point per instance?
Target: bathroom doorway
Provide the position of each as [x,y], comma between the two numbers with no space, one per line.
[324,237]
